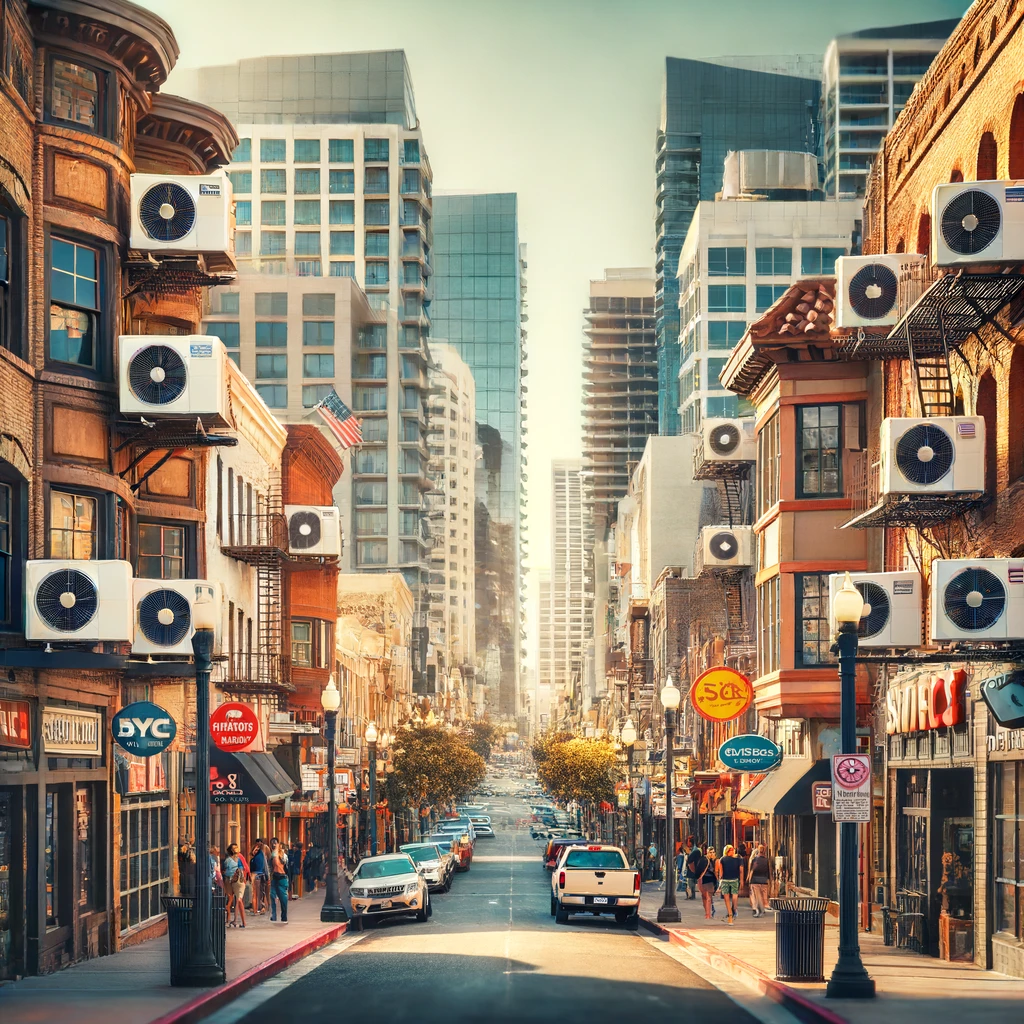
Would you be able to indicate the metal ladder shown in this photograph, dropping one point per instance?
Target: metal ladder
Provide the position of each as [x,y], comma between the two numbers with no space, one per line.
[270,596]
[934,380]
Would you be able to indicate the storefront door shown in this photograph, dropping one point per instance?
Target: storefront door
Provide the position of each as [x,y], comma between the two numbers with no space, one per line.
[11,888]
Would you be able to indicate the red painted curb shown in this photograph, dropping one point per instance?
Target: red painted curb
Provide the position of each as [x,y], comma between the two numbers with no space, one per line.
[209,1002]
[793,1000]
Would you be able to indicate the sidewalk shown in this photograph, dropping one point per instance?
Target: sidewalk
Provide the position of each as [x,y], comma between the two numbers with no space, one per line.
[910,987]
[132,986]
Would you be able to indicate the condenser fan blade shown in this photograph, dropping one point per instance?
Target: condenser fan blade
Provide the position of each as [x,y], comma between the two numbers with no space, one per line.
[167,212]
[873,291]
[157,375]
[165,617]
[304,530]
[876,609]
[66,600]
[724,546]
[970,222]
[724,439]
[974,599]
[924,454]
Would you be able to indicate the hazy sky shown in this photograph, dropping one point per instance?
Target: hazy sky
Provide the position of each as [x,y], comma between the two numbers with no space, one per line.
[557,100]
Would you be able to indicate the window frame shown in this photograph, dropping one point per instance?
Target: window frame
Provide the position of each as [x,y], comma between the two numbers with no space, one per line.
[188,547]
[12,580]
[101,368]
[822,619]
[732,252]
[769,646]
[730,292]
[12,287]
[103,544]
[106,97]
[302,643]
[769,473]
[802,492]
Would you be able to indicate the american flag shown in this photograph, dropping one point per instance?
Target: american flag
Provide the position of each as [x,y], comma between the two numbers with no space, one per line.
[340,421]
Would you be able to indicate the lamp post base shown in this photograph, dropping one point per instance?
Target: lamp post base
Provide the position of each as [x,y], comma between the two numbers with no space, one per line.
[333,913]
[668,915]
[850,981]
[200,975]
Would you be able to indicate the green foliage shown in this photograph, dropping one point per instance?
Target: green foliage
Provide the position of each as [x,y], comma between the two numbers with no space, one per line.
[481,737]
[578,769]
[432,765]
[543,745]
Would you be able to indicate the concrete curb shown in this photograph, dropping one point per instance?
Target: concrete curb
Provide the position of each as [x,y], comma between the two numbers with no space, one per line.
[801,1006]
[212,1000]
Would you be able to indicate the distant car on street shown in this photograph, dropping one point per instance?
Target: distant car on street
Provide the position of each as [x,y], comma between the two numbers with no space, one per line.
[434,863]
[554,848]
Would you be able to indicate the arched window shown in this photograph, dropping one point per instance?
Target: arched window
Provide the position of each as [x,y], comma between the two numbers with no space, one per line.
[1016,154]
[924,233]
[986,408]
[956,174]
[988,155]
[1015,417]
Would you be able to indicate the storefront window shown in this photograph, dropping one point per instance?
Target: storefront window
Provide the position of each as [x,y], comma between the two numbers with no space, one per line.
[50,859]
[1009,848]
[145,855]
[87,847]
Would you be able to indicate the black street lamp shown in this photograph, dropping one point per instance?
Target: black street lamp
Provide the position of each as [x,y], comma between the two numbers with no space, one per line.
[202,967]
[668,912]
[371,741]
[332,910]
[628,737]
[849,978]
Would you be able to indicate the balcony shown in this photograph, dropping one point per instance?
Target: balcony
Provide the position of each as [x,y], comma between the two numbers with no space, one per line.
[260,539]
[245,673]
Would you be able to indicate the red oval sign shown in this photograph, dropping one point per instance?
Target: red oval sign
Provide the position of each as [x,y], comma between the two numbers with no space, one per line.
[234,726]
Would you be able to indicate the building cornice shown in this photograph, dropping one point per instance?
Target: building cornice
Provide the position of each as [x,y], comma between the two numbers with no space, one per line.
[175,121]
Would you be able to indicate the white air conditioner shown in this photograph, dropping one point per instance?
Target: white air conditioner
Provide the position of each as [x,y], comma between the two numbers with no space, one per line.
[173,376]
[181,213]
[977,222]
[892,607]
[940,455]
[977,599]
[313,530]
[163,614]
[78,600]
[875,291]
[726,546]
[729,440]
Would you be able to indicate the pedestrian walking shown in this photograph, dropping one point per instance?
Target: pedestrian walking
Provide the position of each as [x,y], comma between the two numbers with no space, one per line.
[728,872]
[216,877]
[278,880]
[236,873]
[187,868]
[652,862]
[760,876]
[693,858]
[294,870]
[259,869]
[708,875]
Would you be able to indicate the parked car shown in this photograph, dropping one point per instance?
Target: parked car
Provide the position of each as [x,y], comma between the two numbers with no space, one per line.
[595,879]
[449,844]
[482,825]
[434,863]
[386,886]
[553,849]
[466,838]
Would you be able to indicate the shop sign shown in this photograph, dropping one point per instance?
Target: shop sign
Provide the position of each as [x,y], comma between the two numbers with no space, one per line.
[721,694]
[927,702]
[15,731]
[72,733]
[821,797]
[1005,740]
[1004,695]
[143,729]
[851,787]
[234,726]
[750,753]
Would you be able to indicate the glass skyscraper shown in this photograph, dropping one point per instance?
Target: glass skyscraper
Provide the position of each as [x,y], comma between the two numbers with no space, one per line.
[478,293]
[707,110]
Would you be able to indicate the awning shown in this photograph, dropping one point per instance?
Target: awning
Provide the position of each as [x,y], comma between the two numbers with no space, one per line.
[786,790]
[244,778]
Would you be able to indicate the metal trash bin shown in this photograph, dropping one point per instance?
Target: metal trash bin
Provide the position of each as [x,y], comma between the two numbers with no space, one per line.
[888,926]
[179,933]
[800,938]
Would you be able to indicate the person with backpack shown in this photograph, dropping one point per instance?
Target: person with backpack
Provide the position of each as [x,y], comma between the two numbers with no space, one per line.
[708,874]
[760,876]
[278,881]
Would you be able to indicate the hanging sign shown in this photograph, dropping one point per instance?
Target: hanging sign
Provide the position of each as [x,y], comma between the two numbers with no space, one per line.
[143,729]
[851,787]
[721,694]
[927,702]
[14,724]
[234,726]
[72,732]
[750,753]
[821,797]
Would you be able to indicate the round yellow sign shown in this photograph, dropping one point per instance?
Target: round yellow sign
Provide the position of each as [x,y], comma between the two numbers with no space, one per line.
[721,694]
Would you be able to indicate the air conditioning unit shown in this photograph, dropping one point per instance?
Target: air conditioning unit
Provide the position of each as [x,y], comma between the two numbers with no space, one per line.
[163,614]
[977,599]
[892,607]
[726,546]
[729,440]
[78,600]
[977,222]
[875,291]
[181,213]
[313,530]
[941,455]
[173,376]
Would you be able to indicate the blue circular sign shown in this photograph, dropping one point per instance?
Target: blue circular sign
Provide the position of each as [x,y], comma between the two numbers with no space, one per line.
[143,729]
[750,753]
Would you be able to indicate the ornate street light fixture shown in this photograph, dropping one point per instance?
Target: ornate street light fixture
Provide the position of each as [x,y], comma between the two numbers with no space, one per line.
[670,698]
[330,700]
[371,741]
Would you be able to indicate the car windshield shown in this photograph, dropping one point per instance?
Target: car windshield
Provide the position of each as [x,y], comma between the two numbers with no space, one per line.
[422,853]
[384,868]
[594,859]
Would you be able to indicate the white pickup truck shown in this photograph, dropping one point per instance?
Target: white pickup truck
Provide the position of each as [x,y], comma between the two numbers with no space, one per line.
[595,879]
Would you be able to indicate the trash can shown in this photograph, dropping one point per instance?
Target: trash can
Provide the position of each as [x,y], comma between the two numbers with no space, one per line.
[179,934]
[800,938]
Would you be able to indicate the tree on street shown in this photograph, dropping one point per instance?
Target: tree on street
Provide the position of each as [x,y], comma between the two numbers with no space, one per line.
[481,737]
[578,769]
[433,766]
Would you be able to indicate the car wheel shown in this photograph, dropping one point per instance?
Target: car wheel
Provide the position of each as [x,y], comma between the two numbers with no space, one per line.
[633,922]
[554,906]
[423,913]
[357,924]
[561,914]
[620,916]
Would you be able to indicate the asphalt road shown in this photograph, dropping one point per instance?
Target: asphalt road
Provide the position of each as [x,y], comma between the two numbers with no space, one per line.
[492,952]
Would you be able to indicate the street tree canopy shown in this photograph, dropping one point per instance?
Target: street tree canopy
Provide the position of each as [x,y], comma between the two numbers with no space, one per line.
[481,737]
[577,769]
[434,765]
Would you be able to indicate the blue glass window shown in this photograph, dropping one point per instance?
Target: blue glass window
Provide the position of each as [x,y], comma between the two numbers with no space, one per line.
[273,213]
[340,151]
[376,274]
[243,152]
[343,268]
[774,262]
[241,182]
[272,243]
[271,334]
[727,298]
[273,182]
[725,333]
[377,243]
[376,180]
[307,243]
[307,211]
[275,395]
[272,367]
[377,212]
[226,330]
[74,302]
[343,243]
[730,261]
[342,211]
[318,364]
[307,182]
[376,150]
[769,294]
[318,332]
[243,212]
[272,151]
[412,151]
[307,151]
[820,260]
[341,182]
[313,394]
